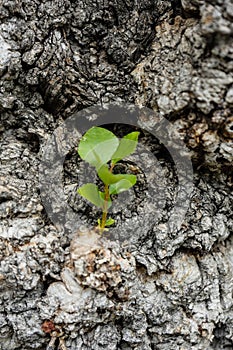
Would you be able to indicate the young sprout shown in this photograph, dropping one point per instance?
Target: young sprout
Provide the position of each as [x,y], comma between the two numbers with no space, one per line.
[102,149]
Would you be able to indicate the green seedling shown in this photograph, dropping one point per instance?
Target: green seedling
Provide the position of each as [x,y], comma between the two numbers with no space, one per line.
[103,150]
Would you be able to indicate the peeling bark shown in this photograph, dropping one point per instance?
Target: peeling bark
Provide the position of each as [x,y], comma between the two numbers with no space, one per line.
[159,290]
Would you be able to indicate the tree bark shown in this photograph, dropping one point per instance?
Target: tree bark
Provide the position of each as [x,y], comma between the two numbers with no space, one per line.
[163,290]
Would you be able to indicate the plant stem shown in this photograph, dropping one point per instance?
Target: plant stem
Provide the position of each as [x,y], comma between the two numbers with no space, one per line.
[106,199]
[105,209]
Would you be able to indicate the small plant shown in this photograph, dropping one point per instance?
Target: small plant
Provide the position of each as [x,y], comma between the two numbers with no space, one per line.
[102,149]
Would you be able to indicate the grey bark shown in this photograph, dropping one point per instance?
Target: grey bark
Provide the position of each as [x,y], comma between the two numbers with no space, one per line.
[163,291]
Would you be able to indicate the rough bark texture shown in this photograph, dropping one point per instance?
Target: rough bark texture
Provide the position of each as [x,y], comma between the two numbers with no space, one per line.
[168,291]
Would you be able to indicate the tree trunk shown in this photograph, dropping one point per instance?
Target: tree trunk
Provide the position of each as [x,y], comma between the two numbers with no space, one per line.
[154,288]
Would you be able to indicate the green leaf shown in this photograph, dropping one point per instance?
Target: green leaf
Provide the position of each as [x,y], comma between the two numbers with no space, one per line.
[109,222]
[97,146]
[126,146]
[120,186]
[108,178]
[102,195]
[92,194]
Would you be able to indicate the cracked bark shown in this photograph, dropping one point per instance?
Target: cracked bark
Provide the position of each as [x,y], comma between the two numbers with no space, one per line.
[171,291]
